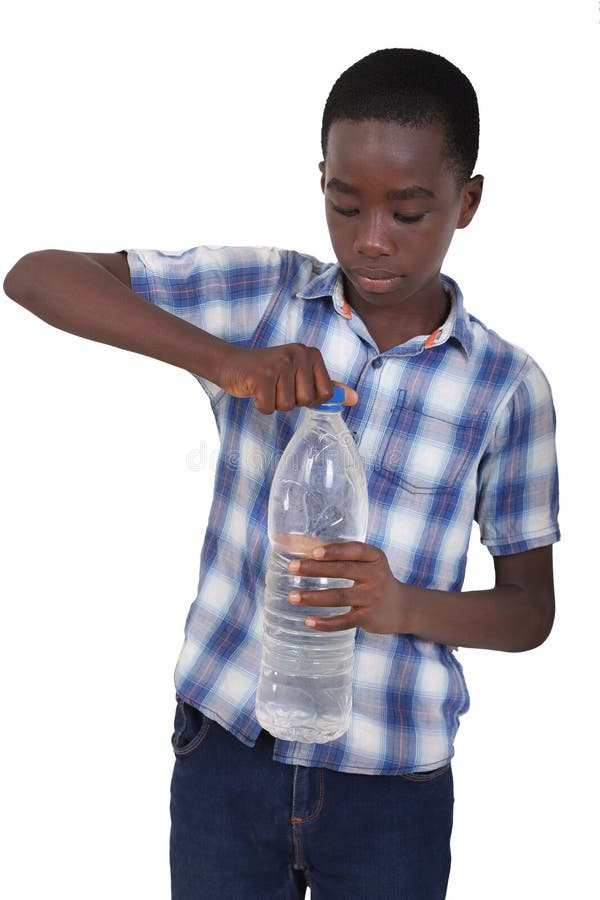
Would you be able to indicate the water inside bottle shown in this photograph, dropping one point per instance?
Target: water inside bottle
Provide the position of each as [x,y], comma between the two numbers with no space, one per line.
[304,691]
[318,496]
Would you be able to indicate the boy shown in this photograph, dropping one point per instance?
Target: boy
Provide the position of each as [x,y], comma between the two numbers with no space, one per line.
[453,424]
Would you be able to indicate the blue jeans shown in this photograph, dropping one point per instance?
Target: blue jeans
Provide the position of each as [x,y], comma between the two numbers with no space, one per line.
[244,827]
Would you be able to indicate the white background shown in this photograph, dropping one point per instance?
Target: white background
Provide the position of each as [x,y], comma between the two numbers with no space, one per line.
[150,125]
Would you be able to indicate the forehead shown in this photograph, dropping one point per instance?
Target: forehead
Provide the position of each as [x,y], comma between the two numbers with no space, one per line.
[385,150]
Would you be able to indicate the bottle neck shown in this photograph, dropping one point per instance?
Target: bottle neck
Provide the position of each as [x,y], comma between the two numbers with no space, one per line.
[326,413]
[330,411]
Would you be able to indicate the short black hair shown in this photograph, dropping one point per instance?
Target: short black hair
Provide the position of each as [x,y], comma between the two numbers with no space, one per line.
[414,88]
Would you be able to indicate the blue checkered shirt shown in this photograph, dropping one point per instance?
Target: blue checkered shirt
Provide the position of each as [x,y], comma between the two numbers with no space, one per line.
[452,428]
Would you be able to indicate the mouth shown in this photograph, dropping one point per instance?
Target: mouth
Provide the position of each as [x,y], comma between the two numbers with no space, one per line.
[376,279]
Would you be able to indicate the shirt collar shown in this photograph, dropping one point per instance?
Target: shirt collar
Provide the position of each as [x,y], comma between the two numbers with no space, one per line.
[329,283]
[322,285]
[458,323]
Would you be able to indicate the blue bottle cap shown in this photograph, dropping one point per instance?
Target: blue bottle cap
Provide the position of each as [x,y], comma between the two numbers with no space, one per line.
[336,402]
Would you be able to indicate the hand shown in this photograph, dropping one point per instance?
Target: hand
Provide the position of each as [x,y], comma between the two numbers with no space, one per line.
[378,600]
[279,377]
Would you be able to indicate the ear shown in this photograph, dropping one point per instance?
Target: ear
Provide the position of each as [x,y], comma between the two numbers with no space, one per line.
[322,170]
[470,200]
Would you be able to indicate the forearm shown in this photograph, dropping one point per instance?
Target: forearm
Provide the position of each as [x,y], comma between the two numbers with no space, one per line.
[506,617]
[76,294]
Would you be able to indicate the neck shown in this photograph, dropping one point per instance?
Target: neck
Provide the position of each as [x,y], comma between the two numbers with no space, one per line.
[390,326]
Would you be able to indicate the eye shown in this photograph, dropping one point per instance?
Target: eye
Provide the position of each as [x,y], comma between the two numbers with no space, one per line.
[344,212]
[409,220]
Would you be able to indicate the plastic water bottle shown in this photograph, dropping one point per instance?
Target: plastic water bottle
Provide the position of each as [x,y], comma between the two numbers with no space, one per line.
[318,496]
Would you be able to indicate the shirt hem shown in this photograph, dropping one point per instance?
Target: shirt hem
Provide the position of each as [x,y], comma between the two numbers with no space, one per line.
[360,770]
[215,717]
[314,764]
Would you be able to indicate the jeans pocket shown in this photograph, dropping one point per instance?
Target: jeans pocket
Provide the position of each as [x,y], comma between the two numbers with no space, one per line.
[190,728]
[425,777]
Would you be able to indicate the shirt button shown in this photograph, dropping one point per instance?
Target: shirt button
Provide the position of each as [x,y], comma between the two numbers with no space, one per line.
[377,362]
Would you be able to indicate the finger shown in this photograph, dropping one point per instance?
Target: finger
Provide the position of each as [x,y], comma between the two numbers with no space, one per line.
[350,550]
[305,383]
[322,382]
[323,597]
[264,395]
[286,389]
[332,623]
[355,571]
[351,397]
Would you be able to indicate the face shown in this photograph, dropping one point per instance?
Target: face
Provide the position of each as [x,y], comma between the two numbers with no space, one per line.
[392,208]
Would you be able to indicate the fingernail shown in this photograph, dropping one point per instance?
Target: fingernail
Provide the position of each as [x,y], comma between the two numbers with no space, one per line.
[294,597]
[318,552]
[294,566]
[310,622]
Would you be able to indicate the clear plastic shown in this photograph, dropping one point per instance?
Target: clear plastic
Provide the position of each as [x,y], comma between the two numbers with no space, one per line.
[318,496]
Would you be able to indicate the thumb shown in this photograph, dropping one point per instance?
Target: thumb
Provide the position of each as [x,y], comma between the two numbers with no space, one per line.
[351,397]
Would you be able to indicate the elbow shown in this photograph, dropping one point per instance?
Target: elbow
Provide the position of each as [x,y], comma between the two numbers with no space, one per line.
[20,281]
[16,280]
[542,622]
[539,638]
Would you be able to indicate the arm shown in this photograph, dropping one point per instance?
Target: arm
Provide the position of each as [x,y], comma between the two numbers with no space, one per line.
[90,295]
[516,614]
[517,504]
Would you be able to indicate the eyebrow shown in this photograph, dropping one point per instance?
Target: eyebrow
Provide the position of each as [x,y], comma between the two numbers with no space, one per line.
[407,193]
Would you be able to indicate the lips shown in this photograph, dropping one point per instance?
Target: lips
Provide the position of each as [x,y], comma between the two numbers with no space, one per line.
[376,281]
[375,273]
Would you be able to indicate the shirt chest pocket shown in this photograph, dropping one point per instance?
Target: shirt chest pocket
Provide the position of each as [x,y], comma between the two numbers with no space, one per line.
[425,453]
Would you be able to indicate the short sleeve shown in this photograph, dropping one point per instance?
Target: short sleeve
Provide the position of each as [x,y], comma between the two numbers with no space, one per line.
[517,488]
[222,290]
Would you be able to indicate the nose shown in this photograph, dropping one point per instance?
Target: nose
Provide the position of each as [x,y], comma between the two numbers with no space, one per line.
[372,238]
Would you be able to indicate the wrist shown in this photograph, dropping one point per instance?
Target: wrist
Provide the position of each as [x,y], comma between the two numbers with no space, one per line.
[216,358]
[407,608]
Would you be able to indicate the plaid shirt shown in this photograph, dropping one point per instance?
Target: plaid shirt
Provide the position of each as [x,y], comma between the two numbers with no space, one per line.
[452,427]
